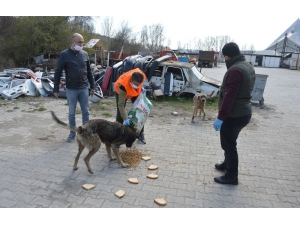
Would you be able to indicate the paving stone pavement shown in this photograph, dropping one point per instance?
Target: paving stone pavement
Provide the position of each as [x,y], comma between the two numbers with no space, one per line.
[269,168]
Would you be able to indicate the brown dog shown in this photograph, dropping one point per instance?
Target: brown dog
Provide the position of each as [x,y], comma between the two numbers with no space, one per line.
[199,103]
[93,132]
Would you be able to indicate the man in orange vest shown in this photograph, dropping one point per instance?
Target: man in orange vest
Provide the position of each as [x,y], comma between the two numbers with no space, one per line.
[128,87]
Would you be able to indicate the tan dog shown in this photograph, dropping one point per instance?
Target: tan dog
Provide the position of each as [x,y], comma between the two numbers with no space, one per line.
[93,132]
[199,103]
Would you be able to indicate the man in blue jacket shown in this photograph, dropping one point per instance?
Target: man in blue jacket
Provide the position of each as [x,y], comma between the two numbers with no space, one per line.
[79,79]
[235,109]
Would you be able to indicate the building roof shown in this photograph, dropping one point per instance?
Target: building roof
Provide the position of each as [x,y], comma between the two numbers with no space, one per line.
[266,52]
[293,34]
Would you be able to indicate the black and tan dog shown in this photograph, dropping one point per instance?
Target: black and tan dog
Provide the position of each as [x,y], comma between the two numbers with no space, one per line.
[199,101]
[93,132]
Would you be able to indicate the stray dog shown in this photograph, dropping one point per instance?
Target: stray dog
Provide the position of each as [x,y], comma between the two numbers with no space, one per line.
[199,103]
[93,132]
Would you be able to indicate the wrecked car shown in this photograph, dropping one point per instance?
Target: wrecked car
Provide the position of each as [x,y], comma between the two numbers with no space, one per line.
[180,78]
[172,77]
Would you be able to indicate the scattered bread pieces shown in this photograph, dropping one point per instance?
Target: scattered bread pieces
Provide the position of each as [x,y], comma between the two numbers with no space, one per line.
[204,182]
[160,201]
[133,180]
[120,193]
[146,158]
[153,167]
[88,186]
[152,176]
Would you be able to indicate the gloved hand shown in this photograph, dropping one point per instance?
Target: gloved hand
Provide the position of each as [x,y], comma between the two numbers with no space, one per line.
[218,124]
[143,90]
[126,122]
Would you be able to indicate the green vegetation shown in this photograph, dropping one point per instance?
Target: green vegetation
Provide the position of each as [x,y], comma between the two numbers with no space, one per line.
[97,107]
[184,103]
[78,111]
[40,109]
[107,114]
[28,36]
[109,103]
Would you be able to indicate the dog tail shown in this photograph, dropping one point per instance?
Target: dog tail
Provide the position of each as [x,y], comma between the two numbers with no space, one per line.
[211,94]
[62,124]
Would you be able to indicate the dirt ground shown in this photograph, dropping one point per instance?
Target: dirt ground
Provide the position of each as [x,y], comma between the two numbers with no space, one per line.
[27,122]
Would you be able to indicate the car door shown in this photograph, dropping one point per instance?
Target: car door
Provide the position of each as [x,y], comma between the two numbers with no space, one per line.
[156,78]
[178,78]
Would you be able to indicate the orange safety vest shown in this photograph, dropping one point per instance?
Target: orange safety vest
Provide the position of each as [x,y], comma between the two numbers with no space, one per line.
[124,80]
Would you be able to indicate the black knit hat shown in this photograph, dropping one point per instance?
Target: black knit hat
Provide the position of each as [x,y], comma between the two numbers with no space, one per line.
[231,49]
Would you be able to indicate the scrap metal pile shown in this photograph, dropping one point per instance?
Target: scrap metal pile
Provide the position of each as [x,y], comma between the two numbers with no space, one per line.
[18,82]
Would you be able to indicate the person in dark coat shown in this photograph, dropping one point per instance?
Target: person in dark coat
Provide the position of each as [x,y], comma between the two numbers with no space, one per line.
[234,109]
[79,79]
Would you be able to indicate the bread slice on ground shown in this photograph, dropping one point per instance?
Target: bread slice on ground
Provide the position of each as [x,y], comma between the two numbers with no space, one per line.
[160,201]
[146,158]
[133,180]
[152,176]
[120,193]
[152,167]
[88,186]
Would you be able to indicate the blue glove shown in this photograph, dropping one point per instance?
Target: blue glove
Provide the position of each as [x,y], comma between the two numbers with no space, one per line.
[143,90]
[126,122]
[218,124]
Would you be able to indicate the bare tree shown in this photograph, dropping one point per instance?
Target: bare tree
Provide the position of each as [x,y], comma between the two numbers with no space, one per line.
[82,23]
[122,37]
[178,45]
[216,44]
[206,44]
[107,27]
[169,43]
[144,36]
[156,37]
[252,48]
[199,43]
[244,47]
[223,40]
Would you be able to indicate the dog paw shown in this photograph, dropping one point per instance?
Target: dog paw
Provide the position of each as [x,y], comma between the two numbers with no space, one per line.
[75,168]
[90,171]
[193,122]
[125,165]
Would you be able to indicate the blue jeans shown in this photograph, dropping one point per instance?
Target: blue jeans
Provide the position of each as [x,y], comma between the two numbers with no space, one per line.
[229,133]
[82,96]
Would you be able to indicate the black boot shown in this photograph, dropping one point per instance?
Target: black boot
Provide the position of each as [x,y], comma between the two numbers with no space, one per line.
[221,166]
[225,179]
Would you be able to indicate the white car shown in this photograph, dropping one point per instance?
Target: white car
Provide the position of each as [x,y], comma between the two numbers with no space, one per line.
[180,78]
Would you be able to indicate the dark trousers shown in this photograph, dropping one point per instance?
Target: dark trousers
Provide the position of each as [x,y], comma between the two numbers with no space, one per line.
[229,133]
[119,118]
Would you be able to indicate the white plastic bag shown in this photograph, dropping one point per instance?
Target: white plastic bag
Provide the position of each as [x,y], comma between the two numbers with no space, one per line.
[139,112]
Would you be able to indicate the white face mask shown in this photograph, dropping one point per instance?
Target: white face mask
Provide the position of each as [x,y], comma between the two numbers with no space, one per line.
[134,86]
[77,47]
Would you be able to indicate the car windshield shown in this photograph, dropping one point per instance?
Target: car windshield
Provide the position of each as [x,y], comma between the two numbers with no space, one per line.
[196,72]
